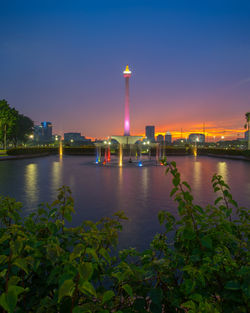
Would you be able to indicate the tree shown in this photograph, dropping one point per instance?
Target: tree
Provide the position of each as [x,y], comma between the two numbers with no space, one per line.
[8,120]
[24,127]
[247,125]
[14,127]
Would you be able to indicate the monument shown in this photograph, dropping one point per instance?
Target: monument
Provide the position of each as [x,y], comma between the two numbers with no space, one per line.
[126,139]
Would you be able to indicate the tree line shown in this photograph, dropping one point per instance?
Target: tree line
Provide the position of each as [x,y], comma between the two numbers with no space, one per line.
[14,127]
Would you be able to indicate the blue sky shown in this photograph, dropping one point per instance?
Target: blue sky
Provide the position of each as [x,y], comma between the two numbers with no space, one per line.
[62,61]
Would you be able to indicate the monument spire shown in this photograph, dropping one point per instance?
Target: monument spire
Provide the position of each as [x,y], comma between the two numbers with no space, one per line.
[127,74]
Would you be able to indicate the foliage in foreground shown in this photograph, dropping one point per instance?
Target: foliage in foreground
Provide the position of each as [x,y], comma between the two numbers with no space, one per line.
[199,264]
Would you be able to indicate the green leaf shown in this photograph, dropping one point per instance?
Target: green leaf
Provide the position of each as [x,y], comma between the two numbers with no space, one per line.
[3,259]
[161,217]
[187,185]
[79,309]
[189,305]
[173,191]
[103,252]
[206,241]
[232,285]
[78,249]
[85,270]
[21,263]
[108,295]
[87,288]
[217,200]
[128,289]
[8,300]
[176,180]
[66,289]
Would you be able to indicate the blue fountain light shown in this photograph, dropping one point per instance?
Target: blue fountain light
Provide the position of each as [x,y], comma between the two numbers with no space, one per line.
[140,163]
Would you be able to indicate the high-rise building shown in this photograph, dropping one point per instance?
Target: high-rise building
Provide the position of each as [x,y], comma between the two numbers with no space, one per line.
[47,131]
[160,138]
[168,137]
[43,132]
[150,133]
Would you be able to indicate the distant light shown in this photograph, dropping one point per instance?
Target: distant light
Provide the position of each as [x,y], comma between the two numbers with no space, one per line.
[31,136]
[148,142]
[140,163]
[105,141]
[144,142]
[222,137]
[109,143]
[71,140]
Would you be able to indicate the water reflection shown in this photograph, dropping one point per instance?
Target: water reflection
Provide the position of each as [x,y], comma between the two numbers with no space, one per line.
[56,175]
[145,180]
[197,183]
[223,170]
[31,188]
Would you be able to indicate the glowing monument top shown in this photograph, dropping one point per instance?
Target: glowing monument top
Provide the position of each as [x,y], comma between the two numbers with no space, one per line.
[127,72]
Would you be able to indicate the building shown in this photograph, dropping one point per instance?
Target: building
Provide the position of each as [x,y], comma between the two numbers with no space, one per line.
[196,138]
[76,138]
[150,133]
[168,137]
[56,138]
[43,132]
[160,138]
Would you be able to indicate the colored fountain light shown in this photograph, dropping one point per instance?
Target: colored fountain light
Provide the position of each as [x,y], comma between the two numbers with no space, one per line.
[127,74]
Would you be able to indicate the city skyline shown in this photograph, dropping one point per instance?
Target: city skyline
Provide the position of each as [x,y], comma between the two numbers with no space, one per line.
[190,65]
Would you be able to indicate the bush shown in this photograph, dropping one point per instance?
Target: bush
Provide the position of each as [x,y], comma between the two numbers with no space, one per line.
[220,151]
[48,267]
[32,150]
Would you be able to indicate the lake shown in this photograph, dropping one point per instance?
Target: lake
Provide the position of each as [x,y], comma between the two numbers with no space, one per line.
[101,191]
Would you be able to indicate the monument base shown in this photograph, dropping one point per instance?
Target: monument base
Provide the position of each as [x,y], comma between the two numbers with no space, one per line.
[127,140]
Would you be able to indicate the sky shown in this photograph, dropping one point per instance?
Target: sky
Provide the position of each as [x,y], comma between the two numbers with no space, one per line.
[62,61]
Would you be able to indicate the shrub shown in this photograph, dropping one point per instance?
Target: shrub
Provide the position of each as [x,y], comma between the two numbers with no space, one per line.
[48,267]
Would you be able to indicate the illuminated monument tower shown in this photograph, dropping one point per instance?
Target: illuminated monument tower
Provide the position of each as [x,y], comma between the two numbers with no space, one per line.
[126,139]
[127,74]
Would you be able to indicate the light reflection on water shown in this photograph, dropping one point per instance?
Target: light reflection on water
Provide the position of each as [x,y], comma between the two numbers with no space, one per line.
[31,188]
[223,170]
[56,172]
[140,191]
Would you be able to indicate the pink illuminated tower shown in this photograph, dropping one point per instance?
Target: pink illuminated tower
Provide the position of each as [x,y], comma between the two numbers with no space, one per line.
[127,74]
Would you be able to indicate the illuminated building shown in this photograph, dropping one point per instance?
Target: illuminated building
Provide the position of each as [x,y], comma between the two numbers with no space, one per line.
[150,133]
[160,138]
[196,138]
[168,137]
[43,132]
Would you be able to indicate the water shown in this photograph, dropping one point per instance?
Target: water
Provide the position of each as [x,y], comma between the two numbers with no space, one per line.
[139,191]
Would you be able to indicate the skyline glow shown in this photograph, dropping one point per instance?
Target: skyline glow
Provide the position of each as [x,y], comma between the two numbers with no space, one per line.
[61,62]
